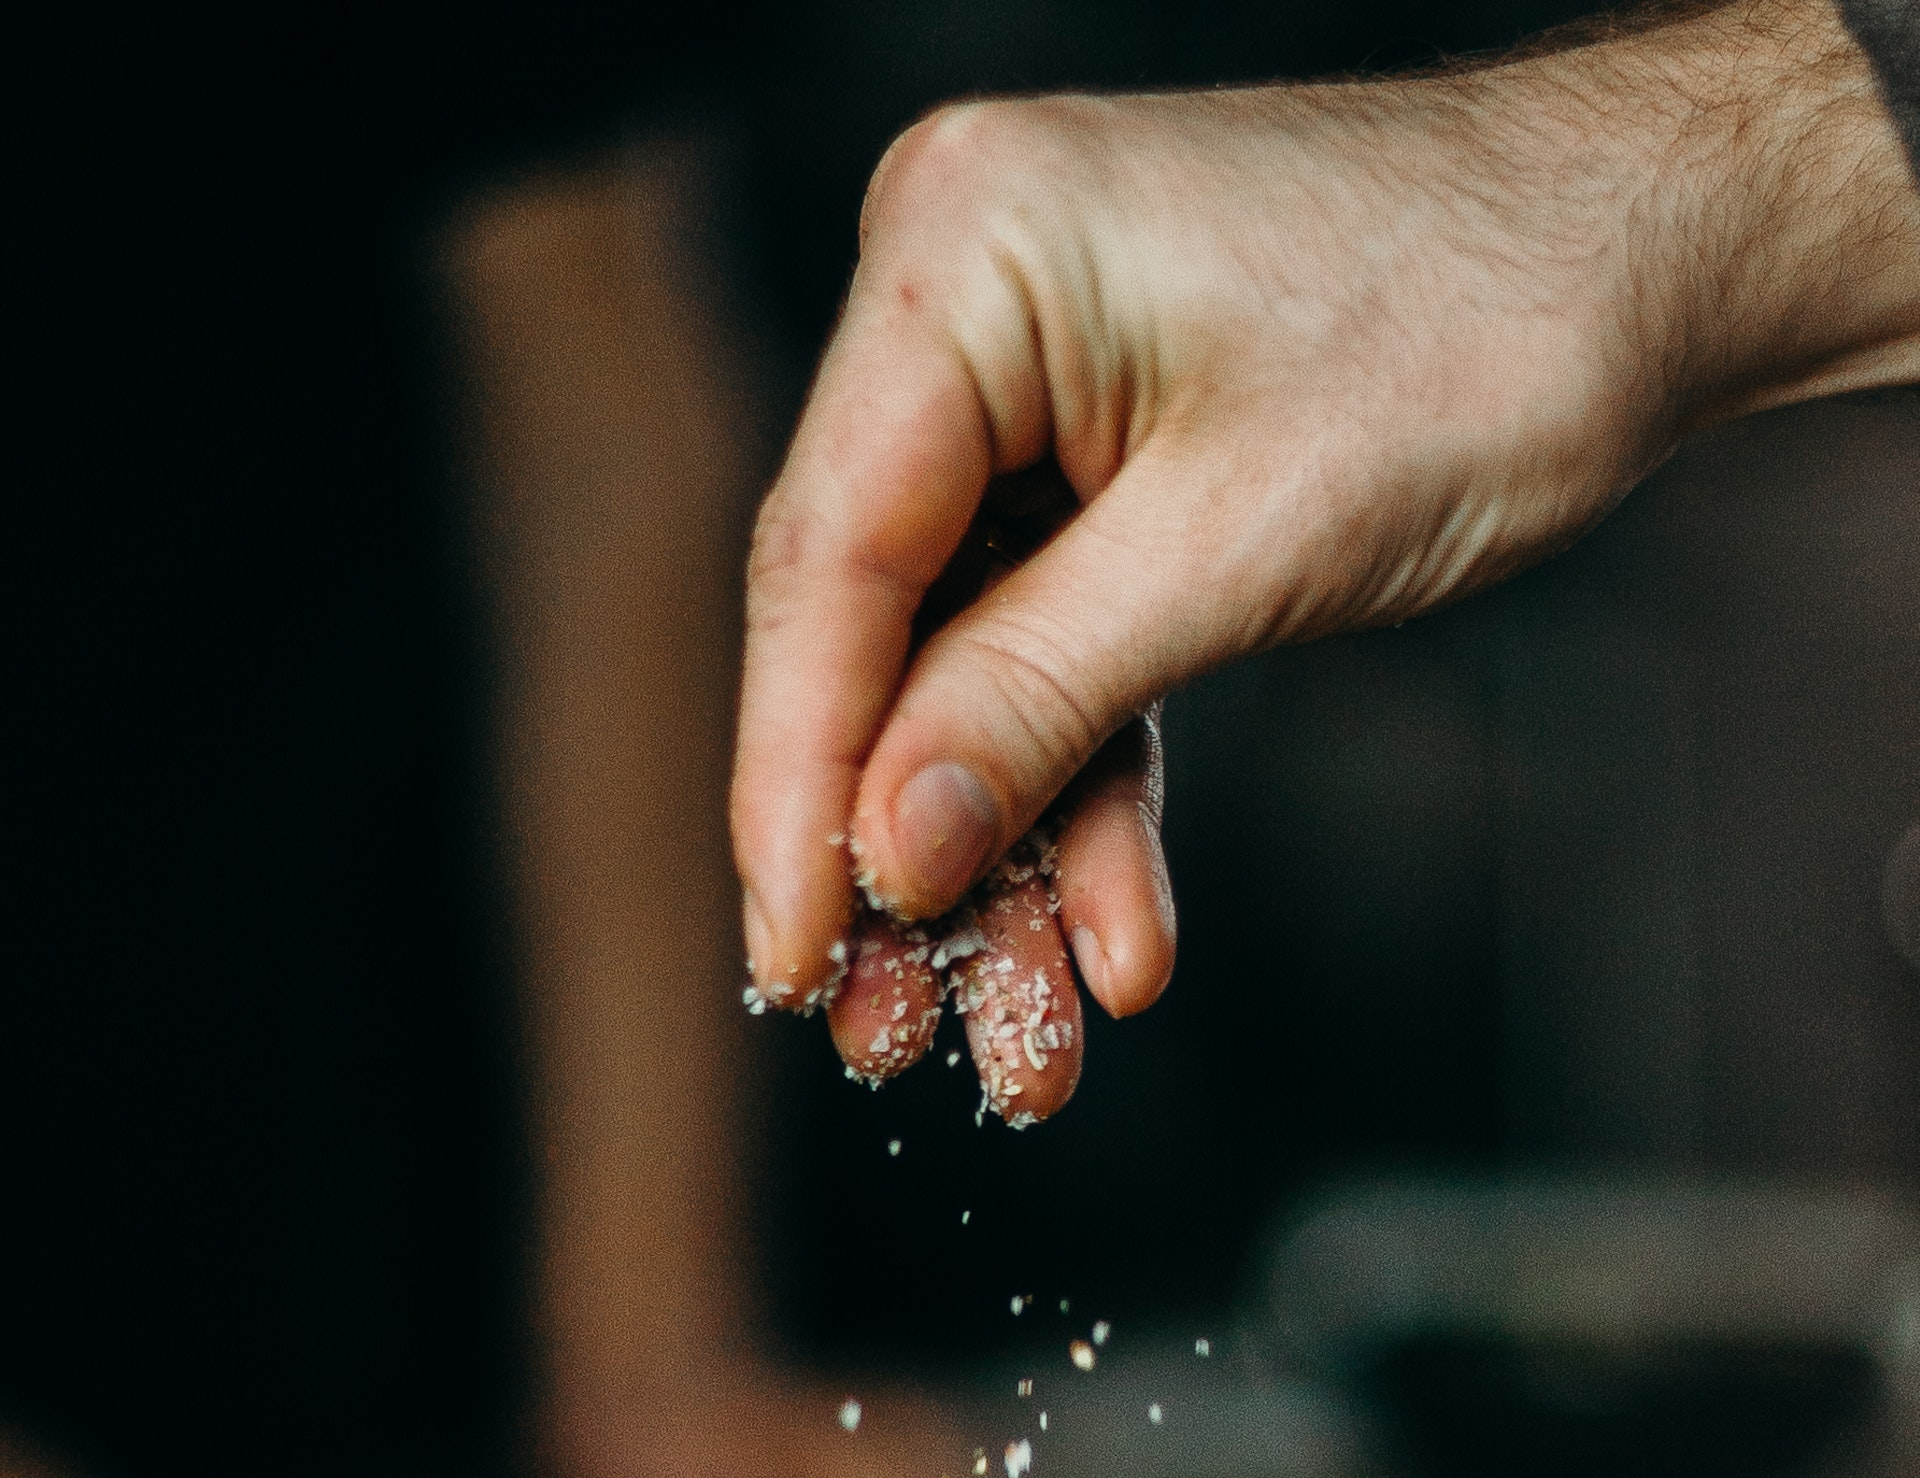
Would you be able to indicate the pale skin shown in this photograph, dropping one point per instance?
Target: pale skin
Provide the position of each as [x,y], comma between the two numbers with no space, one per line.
[1309,357]
[1312,358]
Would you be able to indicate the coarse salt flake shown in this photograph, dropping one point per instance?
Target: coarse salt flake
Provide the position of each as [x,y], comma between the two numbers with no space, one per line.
[1203,1347]
[965,1217]
[1043,1421]
[979,1462]
[1081,1353]
[893,1146]
[850,1414]
[1154,1413]
[953,1059]
[1019,1458]
[1023,1386]
[1101,1329]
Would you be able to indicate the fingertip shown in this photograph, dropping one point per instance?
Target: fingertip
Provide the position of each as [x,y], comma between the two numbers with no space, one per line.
[1116,903]
[795,935]
[943,828]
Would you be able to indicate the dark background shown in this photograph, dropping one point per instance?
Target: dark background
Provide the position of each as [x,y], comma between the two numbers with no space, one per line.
[261,1197]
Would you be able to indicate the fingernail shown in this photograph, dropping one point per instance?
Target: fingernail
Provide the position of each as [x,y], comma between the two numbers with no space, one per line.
[759,937]
[1092,963]
[944,823]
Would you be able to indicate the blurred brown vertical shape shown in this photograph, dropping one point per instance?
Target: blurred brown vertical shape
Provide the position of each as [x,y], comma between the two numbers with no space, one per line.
[615,471]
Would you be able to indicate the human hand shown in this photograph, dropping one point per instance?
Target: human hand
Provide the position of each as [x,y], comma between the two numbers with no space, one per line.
[1311,358]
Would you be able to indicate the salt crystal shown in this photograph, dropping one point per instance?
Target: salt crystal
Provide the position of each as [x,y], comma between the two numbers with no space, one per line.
[878,1044]
[1203,1348]
[1063,1306]
[850,1415]
[837,952]
[838,839]
[1101,1330]
[953,1059]
[1154,1413]
[893,1146]
[755,1003]
[979,1462]
[1018,1303]
[1043,1421]
[1081,1353]
[965,1217]
[1019,1458]
[1023,1386]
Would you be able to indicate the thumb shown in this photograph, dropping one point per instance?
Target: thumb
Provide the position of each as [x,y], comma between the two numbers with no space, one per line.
[1014,695]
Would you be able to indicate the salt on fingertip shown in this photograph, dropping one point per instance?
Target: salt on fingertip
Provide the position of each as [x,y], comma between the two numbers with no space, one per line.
[850,1414]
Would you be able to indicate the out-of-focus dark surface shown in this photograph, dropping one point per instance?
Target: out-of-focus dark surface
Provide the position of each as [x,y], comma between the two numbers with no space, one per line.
[1460,895]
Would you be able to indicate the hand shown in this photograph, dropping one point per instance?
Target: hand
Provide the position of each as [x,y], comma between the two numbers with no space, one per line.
[1311,358]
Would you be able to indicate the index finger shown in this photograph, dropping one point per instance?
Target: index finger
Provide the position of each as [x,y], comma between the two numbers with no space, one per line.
[885,471]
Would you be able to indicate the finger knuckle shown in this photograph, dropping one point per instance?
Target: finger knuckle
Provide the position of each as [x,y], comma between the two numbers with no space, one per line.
[1030,677]
[950,160]
[776,564]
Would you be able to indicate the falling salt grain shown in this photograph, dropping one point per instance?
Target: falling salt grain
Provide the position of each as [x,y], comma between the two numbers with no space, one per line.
[965,1217]
[1101,1329]
[850,1415]
[979,1462]
[1203,1347]
[1063,1306]
[893,1146]
[1043,1421]
[1081,1354]
[1154,1413]
[953,1059]
[1019,1303]
[1019,1458]
[1023,1386]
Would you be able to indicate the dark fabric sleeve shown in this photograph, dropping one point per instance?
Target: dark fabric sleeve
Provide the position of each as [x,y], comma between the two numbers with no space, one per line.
[1889,30]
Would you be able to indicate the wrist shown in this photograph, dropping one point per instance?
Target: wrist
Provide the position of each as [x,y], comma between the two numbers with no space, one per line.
[1779,217]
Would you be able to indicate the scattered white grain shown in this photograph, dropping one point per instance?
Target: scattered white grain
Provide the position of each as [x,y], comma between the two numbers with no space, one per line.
[1019,1458]
[1043,1421]
[1019,1303]
[850,1415]
[755,1003]
[1081,1353]
[893,1146]
[1023,1386]
[953,1059]
[838,839]
[1101,1329]
[965,1217]
[1154,1413]
[1203,1347]
[837,952]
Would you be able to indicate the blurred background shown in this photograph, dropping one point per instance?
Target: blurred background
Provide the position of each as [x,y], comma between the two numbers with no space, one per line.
[1540,1085]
